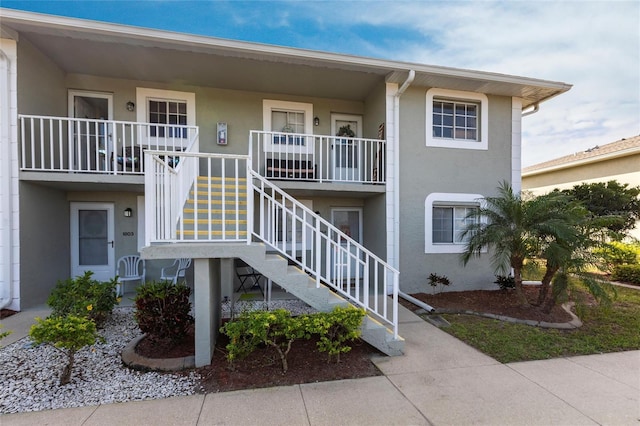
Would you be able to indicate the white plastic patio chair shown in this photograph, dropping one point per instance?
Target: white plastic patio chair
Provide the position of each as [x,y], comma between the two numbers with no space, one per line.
[128,269]
[176,270]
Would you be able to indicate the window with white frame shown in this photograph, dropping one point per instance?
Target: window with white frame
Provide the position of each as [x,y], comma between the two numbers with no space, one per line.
[457,119]
[446,216]
[168,113]
[174,113]
[282,117]
[449,222]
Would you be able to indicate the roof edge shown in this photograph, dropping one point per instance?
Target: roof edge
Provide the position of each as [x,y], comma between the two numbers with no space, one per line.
[80,24]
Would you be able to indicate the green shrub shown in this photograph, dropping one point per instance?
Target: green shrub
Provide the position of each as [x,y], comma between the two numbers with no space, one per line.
[68,333]
[84,297]
[276,329]
[440,281]
[162,310]
[616,254]
[505,282]
[335,329]
[4,334]
[627,273]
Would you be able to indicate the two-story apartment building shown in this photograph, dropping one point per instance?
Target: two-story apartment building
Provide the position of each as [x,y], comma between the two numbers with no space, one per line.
[354,173]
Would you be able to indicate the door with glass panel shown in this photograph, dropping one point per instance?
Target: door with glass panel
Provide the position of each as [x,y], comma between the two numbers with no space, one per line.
[346,151]
[92,240]
[91,144]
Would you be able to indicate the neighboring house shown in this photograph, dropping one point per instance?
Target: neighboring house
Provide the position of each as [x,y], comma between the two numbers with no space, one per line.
[618,161]
[318,169]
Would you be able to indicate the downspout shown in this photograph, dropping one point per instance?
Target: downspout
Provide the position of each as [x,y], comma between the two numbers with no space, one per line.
[416,302]
[396,168]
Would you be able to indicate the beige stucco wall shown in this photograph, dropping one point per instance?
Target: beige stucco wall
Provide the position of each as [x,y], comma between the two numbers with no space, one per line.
[241,110]
[44,238]
[622,169]
[425,170]
[41,87]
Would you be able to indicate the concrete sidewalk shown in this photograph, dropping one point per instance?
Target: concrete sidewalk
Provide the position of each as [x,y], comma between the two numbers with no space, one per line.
[439,380]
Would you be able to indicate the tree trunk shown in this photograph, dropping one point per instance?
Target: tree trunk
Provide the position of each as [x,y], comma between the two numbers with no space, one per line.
[546,284]
[517,277]
[65,377]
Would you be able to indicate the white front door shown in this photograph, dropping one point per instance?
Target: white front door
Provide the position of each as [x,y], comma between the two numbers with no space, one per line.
[91,141]
[346,151]
[345,260]
[92,240]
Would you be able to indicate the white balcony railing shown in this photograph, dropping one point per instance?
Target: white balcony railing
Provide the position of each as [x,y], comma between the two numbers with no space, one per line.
[60,144]
[296,156]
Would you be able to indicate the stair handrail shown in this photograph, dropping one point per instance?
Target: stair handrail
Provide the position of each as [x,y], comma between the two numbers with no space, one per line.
[315,222]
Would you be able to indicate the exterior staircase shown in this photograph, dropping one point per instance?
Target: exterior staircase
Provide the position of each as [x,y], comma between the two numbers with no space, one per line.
[218,209]
[295,281]
[237,213]
[215,210]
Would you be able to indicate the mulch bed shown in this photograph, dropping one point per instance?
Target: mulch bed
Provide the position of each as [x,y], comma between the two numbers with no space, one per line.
[498,302]
[4,313]
[263,367]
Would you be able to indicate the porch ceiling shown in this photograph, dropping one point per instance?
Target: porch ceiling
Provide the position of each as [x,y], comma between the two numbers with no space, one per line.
[220,69]
[119,51]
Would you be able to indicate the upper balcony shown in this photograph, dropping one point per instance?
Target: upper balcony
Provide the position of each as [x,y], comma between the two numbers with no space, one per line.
[74,149]
[78,149]
[310,162]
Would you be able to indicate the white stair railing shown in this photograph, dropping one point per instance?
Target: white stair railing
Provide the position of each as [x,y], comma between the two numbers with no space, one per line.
[329,255]
[171,190]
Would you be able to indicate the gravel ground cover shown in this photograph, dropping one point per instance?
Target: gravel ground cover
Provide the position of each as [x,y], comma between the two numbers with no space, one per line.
[30,374]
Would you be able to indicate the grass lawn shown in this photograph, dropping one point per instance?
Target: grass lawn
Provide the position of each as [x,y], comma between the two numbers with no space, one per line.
[612,329]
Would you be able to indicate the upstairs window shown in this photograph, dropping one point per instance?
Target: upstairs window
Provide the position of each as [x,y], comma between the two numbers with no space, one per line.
[173,113]
[283,118]
[171,116]
[287,122]
[457,119]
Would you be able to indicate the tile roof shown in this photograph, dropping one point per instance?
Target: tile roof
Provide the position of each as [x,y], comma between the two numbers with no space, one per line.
[590,154]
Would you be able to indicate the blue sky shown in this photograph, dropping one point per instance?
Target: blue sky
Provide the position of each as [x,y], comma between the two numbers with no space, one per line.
[593,45]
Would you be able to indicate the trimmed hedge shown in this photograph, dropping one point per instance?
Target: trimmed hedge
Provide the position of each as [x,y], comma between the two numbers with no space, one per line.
[627,273]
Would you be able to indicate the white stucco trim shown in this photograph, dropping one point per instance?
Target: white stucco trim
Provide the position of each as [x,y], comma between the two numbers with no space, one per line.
[392,187]
[482,144]
[516,144]
[9,185]
[444,198]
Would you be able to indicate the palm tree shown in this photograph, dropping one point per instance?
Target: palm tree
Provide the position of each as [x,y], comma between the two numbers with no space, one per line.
[551,227]
[502,224]
[517,229]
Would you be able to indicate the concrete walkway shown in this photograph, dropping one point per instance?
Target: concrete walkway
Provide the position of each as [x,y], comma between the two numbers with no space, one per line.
[439,381]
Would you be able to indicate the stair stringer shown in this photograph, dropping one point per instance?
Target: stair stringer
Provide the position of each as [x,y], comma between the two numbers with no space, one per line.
[300,284]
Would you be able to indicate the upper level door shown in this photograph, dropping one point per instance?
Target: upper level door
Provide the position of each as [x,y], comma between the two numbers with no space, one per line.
[346,151]
[91,144]
[92,240]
